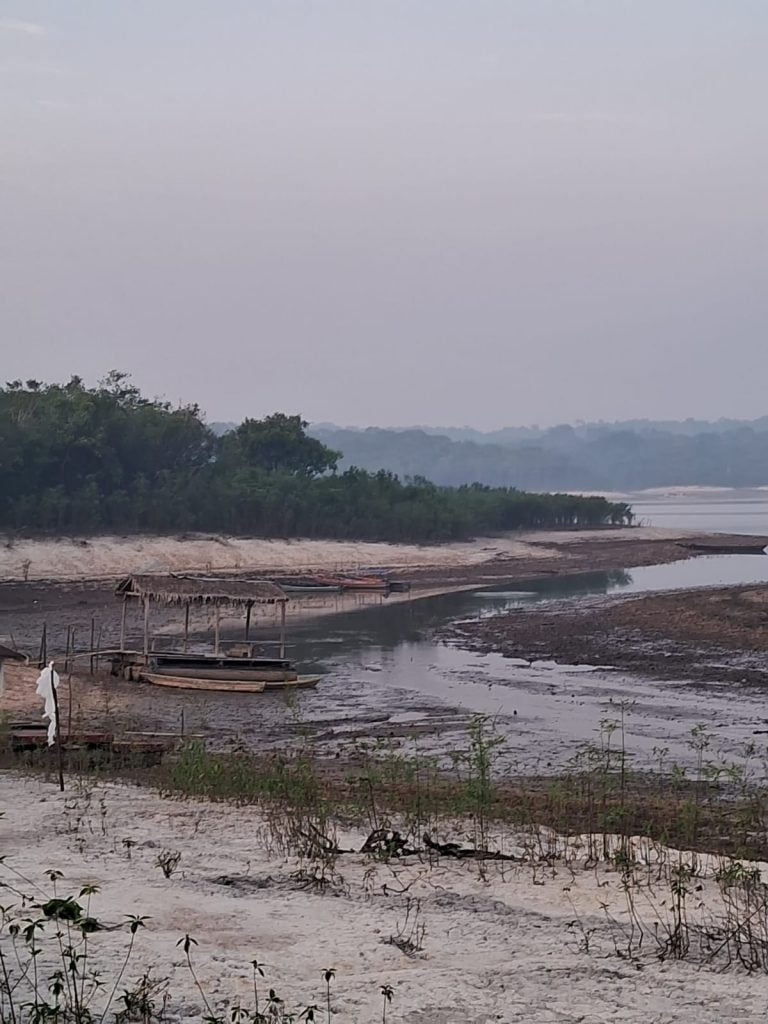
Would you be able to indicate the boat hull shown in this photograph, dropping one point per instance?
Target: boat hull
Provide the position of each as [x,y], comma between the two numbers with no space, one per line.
[254,675]
[228,686]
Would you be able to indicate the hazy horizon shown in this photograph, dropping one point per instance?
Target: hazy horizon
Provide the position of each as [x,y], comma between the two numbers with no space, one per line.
[491,213]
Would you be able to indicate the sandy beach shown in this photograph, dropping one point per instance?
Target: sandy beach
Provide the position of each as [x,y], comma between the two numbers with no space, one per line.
[70,583]
[515,942]
[93,558]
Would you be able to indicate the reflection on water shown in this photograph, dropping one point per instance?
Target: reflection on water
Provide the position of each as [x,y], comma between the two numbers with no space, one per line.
[382,661]
[381,669]
[385,626]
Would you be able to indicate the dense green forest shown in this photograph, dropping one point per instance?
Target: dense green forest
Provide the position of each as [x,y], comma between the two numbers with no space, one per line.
[598,456]
[75,459]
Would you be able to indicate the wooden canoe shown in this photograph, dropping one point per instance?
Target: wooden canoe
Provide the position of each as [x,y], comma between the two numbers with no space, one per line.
[187,683]
[228,686]
[299,683]
[229,674]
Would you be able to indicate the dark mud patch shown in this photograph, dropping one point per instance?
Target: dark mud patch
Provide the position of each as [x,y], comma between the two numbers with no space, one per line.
[711,635]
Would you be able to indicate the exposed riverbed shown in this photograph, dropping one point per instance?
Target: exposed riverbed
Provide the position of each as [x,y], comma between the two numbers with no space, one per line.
[386,677]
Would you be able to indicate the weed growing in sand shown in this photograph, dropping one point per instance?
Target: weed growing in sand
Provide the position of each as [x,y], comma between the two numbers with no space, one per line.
[328,975]
[49,970]
[46,966]
[168,862]
[478,761]
[411,932]
[145,1003]
[386,992]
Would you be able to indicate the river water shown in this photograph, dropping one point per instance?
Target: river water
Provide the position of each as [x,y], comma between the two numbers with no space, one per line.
[385,676]
[723,511]
[382,669]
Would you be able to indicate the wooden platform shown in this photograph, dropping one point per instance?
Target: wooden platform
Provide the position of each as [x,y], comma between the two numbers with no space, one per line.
[34,737]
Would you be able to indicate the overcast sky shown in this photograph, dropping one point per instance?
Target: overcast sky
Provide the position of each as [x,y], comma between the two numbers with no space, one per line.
[482,212]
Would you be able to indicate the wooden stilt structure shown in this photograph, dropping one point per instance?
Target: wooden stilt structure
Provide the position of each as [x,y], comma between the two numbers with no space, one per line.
[235,667]
[146,626]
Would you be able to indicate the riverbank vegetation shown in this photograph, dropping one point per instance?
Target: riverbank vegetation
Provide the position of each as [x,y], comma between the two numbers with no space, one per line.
[81,460]
[634,869]
[712,804]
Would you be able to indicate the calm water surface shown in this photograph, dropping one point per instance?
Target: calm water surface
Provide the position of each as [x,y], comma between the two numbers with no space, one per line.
[733,512]
[381,669]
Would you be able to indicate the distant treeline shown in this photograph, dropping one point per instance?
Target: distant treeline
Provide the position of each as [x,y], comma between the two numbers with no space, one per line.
[610,457]
[75,459]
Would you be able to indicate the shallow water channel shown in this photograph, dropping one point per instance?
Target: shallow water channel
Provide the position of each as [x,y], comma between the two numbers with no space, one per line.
[384,675]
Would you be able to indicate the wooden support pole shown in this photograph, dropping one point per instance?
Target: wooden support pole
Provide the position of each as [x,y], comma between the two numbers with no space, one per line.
[218,629]
[69,702]
[93,641]
[186,625]
[248,609]
[122,624]
[146,628]
[59,750]
[43,646]
[282,629]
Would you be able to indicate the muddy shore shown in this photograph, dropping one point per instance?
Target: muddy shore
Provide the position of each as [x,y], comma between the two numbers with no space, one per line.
[72,603]
[718,635]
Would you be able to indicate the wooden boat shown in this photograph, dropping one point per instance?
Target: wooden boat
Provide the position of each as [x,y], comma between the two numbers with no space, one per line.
[310,588]
[222,666]
[227,674]
[228,686]
[356,582]
[299,683]
[724,549]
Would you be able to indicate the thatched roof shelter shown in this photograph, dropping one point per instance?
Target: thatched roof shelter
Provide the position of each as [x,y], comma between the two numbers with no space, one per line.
[8,654]
[201,590]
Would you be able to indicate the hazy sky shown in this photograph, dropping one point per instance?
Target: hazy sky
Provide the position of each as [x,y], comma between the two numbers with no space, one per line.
[483,212]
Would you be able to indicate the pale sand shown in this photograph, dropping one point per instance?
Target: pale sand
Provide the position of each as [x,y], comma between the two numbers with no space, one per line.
[106,557]
[495,950]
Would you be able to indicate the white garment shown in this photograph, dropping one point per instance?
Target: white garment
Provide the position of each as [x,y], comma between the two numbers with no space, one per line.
[46,682]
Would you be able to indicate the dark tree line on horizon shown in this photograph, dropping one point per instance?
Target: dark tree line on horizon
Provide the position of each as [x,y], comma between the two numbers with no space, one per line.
[608,457]
[79,460]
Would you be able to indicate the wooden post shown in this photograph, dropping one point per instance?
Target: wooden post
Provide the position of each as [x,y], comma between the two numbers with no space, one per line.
[282,629]
[69,700]
[59,751]
[248,609]
[217,628]
[122,624]
[186,624]
[43,646]
[66,652]
[146,629]
[93,642]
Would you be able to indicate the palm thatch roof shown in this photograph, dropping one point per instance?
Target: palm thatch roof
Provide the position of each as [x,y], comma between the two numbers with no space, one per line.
[177,589]
[8,654]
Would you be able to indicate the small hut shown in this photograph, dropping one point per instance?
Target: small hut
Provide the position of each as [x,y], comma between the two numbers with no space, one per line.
[7,654]
[200,591]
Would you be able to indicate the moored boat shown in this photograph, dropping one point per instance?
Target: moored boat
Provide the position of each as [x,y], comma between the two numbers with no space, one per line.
[222,667]
[238,670]
[227,685]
